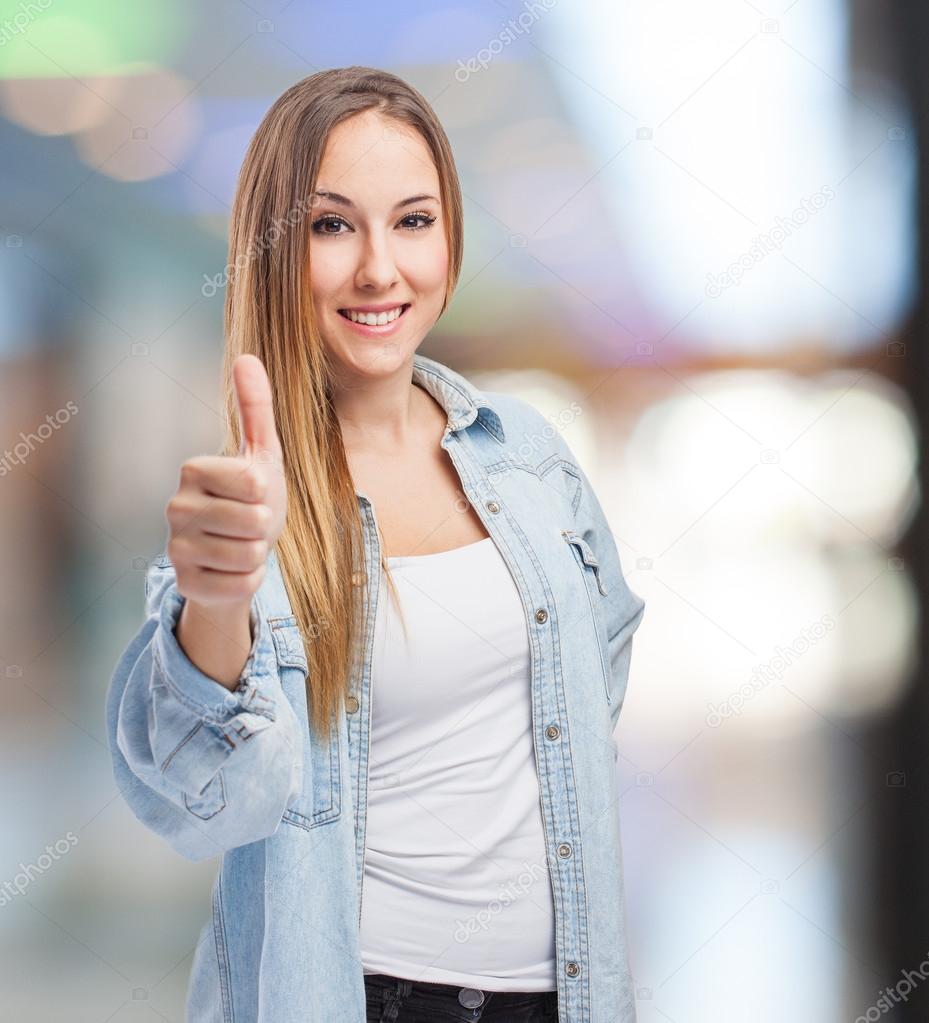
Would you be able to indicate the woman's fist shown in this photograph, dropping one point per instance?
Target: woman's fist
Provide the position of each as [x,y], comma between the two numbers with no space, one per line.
[229,511]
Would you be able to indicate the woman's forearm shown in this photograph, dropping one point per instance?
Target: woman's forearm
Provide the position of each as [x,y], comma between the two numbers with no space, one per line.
[217,640]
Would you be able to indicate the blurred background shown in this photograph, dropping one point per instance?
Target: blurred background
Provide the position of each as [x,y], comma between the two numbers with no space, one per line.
[701,222]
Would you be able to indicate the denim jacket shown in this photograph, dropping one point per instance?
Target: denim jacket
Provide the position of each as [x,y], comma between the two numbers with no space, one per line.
[238,773]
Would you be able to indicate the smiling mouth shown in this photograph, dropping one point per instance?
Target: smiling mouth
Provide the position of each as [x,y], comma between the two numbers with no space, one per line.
[375,319]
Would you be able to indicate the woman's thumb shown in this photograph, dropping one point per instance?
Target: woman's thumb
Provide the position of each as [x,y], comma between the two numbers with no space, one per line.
[256,409]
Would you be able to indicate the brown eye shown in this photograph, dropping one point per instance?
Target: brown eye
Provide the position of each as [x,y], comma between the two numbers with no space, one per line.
[428,221]
[317,225]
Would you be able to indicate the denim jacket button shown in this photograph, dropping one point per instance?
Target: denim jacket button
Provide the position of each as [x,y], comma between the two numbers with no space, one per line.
[541,616]
[572,969]
[351,704]
[564,850]
[493,507]
[552,732]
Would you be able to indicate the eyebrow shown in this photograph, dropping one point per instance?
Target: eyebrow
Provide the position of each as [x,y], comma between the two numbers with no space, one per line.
[342,200]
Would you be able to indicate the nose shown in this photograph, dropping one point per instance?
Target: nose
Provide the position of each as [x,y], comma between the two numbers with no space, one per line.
[377,269]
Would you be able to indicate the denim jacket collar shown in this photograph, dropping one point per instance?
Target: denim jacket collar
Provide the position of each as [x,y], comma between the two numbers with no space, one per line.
[463,402]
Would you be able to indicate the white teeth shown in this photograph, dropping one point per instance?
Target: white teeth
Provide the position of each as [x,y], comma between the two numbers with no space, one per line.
[373,319]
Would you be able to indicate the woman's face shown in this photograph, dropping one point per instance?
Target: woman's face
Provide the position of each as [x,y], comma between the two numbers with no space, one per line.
[387,249]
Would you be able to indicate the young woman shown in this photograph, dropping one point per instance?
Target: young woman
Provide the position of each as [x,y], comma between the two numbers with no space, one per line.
[387,645]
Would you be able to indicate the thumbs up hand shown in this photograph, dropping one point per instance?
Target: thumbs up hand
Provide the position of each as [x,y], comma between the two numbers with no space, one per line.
[261,446]
[228,511]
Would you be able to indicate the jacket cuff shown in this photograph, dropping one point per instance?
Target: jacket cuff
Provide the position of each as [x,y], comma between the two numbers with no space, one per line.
[204,696]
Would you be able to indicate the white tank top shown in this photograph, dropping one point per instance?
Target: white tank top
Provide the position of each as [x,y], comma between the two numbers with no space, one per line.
[456,882]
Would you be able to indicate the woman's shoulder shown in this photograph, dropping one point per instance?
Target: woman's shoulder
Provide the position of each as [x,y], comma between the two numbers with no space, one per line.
[525,433]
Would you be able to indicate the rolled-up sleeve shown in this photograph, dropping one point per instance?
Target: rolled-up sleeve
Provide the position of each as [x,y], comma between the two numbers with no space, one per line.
[204,767]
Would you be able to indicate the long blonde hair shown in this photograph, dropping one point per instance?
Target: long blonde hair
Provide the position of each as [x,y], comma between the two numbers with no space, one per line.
[269,313]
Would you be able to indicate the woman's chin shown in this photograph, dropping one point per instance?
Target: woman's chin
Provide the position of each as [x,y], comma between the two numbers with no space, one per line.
[372,358]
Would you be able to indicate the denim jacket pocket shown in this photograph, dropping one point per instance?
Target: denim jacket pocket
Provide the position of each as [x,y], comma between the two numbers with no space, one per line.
[595,589]
[210,801]
[320,802]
